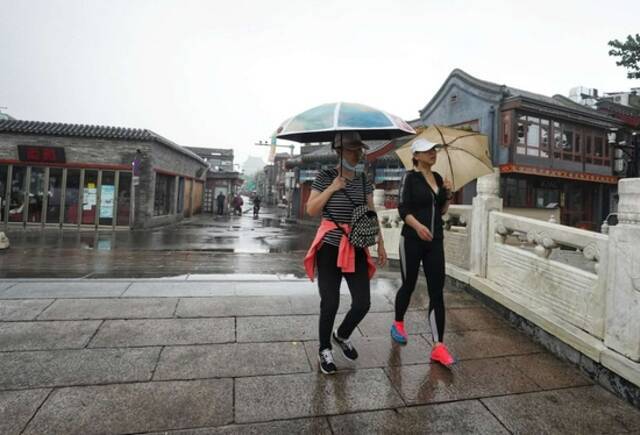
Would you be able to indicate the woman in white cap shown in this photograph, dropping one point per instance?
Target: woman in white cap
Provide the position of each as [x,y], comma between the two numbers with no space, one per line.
[424,197]
[333,194]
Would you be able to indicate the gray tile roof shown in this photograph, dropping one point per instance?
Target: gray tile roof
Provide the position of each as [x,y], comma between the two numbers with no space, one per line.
[91,131]
[507,92]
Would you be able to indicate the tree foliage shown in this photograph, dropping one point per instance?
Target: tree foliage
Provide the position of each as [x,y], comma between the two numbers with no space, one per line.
[629,54]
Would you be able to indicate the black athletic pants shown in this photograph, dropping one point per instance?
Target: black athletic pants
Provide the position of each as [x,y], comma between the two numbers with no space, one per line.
[431,254]
[329,279]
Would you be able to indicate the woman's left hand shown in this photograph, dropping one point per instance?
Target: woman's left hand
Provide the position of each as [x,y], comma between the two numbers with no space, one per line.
[447,184]
[382,255]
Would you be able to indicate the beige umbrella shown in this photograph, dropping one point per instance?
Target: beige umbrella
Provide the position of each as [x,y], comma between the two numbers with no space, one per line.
[462,157]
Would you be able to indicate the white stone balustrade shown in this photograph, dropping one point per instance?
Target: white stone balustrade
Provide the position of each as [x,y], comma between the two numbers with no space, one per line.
[580,286]
[457,242]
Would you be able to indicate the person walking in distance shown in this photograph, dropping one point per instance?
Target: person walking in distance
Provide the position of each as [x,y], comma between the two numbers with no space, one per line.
[333,194]
[220,203]
[424,197]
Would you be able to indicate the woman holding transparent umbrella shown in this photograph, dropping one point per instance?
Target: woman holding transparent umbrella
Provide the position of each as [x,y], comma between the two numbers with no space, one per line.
[334,192]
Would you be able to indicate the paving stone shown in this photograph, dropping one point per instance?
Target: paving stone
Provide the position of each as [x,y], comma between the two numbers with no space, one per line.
[489,343]
[549,372]
[75,367]
[80,309]
[179,289]
[17,408]
[304,426]
[230,306]
[12,310]
[379,324]
[310,304]
[46,335]
[65,289]
[5,285]
[231,360]
[139,407]
[583,410]
[276,288]
[468,417]
[376,352]
[157,332]
[312,394]
[420,384]
[280,328]
[473,318]
[452,299]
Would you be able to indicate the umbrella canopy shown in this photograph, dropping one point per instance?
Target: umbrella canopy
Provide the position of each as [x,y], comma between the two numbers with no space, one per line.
[463,155]
[321,123]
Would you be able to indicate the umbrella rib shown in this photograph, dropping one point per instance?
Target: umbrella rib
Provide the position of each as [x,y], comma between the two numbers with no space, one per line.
[336,115]
[466,151]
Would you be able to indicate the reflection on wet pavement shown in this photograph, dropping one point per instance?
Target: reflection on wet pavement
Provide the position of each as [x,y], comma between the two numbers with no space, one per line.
[201,245]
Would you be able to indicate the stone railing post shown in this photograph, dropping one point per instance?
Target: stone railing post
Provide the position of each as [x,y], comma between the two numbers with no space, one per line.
[622,330]
[487,200]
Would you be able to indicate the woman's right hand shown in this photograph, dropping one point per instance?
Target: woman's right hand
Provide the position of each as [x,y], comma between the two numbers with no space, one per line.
[424,233]
[338,183]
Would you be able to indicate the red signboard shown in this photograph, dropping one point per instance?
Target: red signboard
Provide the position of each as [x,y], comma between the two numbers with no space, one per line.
[40,154]
[558,173]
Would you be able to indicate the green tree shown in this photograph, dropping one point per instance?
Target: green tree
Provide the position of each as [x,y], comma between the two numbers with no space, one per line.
[629,54]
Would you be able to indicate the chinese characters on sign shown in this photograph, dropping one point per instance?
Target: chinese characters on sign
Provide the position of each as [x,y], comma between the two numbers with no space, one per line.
[40,154]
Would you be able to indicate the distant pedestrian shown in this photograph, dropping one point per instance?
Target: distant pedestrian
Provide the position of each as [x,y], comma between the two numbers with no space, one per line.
[220,203]
[256,205]
[237,204]
[424,197]
[333,194]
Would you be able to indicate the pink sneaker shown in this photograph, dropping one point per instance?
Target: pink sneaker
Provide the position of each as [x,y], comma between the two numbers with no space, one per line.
[441,354]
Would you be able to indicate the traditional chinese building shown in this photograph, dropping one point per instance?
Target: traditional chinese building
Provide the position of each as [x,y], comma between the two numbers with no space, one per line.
[55,175]
[550,150]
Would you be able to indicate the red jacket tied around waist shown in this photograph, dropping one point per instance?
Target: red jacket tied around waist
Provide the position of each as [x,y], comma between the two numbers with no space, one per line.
[346,251]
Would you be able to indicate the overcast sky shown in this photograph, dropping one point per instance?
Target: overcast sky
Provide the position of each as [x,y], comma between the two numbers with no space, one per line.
[227,73]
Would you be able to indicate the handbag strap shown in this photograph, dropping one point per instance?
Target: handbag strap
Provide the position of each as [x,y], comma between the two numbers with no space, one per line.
[364,193]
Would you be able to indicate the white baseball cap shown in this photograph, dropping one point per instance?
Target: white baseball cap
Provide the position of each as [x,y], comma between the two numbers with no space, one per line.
[422,145]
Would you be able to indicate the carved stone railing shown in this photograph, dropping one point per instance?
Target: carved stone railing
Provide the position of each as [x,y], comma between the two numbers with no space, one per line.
[582,287]
[457,239]
[546,267]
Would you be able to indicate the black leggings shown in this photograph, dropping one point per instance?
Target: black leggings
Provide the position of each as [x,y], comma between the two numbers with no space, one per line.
[431,254]
[329,279]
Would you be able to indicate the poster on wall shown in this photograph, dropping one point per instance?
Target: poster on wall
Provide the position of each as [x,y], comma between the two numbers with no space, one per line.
[107,196]
[90,196]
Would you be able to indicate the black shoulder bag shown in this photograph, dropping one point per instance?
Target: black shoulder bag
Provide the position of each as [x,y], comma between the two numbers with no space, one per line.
[364,222]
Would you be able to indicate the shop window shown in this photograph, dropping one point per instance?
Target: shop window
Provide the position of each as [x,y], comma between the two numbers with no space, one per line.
[544,139]
[124,198]
[163,195]
[4,172]
[72,196]
[598,151]
[17,196]
[180,195]
[557,140]
[520,135]
[36,195]
[54,196]
[90,197]
[533,136]
[107,197]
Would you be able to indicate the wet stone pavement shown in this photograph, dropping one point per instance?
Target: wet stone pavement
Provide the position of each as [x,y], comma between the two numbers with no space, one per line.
[222,353]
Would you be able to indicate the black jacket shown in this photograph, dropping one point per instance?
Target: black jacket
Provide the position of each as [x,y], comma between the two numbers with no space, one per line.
[418,199]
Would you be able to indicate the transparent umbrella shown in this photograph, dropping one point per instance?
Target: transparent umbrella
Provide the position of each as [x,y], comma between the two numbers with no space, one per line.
[321,123]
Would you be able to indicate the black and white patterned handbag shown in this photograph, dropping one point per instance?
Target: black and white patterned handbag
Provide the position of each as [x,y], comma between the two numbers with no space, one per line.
[364,222]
